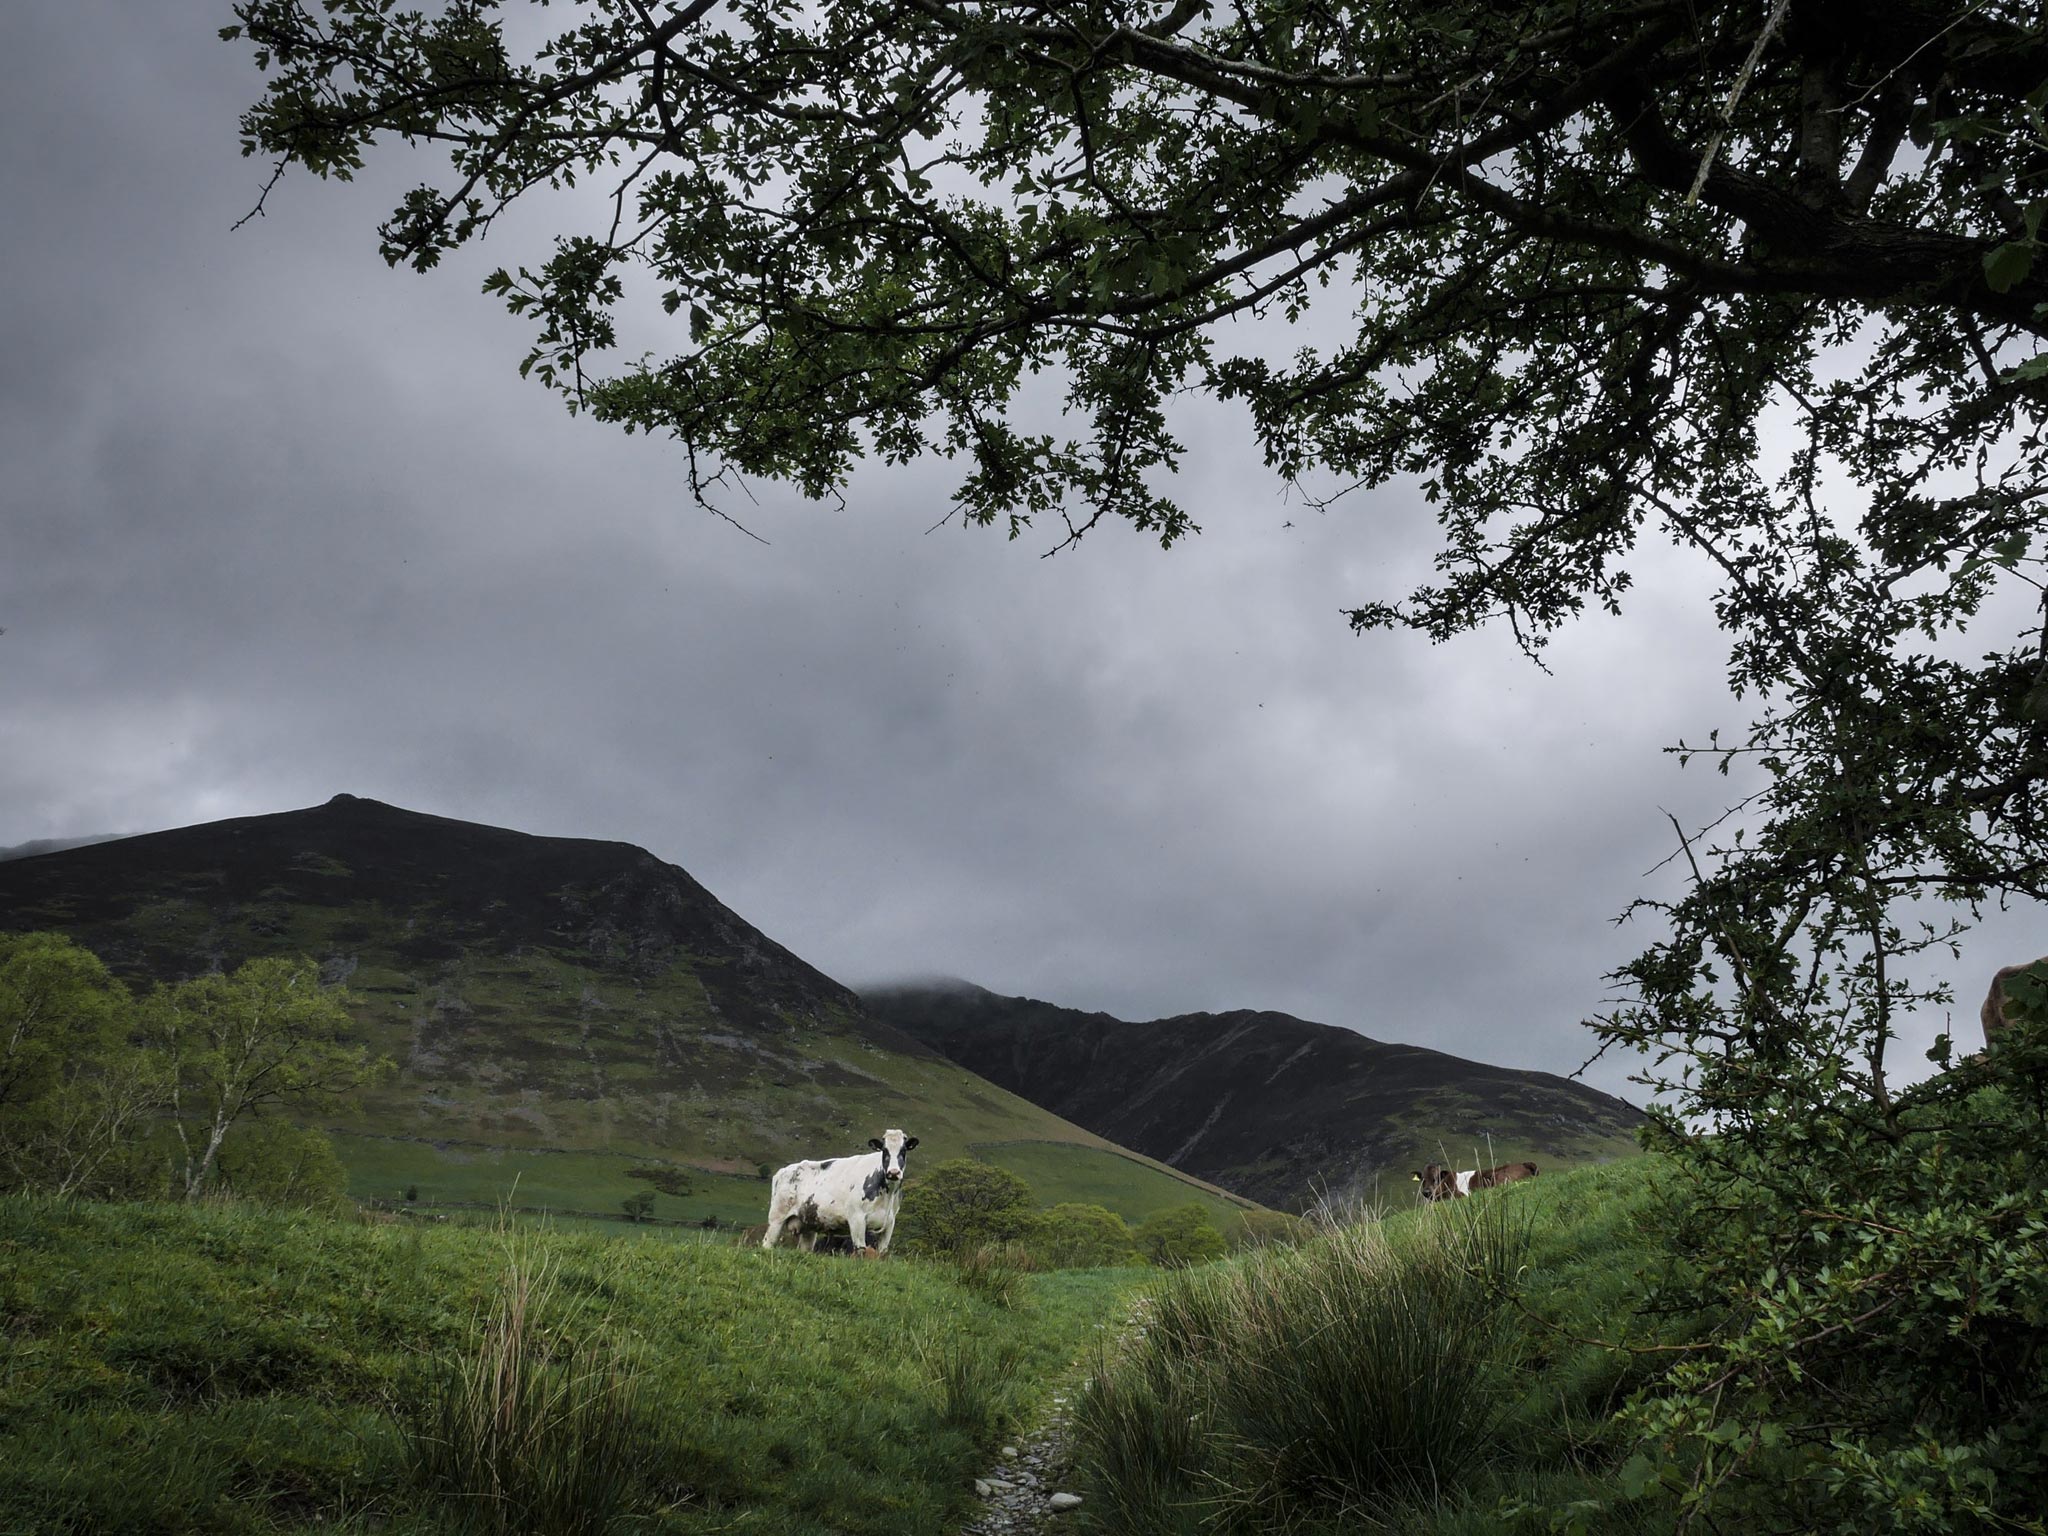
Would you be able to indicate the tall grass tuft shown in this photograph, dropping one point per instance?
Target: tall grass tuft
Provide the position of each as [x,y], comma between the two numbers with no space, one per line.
[993,1271]
[972,1379]
[528,1433]
[1338,1382]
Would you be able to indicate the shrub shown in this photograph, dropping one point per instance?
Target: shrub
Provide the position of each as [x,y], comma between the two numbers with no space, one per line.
[274,1162]
[1074,1236]
[1180,1236]
[963,1204]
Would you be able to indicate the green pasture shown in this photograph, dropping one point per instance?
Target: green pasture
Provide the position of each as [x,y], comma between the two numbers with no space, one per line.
[455,1177]
[1060,1171]
[567,1183]
[252,1373]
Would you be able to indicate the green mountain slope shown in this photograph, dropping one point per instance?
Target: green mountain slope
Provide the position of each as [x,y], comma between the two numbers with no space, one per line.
[562,1010]
[1271,1106]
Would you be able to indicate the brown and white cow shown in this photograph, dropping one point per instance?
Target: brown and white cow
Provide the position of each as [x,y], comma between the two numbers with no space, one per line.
[1441,1183]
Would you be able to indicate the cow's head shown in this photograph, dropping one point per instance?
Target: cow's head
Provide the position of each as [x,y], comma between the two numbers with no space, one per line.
[1437,1181]
[894,1147]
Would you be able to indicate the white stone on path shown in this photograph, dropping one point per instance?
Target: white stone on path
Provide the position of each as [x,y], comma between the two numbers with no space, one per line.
[1010,1451]
[1061,1501]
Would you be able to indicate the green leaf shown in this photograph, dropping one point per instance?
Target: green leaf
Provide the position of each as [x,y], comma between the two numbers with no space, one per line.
[2006,266]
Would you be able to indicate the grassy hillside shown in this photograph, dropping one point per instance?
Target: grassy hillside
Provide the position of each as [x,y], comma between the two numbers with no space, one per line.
[561,1010]
[227,1370]
[1450,1371]
[482,1177]
[1276,1108]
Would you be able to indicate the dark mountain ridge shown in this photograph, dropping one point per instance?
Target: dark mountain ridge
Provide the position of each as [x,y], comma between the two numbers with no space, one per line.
[563,1011]
[1274,1107]
[464,889]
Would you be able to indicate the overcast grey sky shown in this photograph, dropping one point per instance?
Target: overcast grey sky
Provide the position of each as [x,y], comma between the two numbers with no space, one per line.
[280,522]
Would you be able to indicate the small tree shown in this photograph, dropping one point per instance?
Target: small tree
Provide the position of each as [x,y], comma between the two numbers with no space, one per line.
[1072,1236]
[267,1036]
[638,1207]
[962,1203]
[57,1003]
[1180,1236]
[74,1089]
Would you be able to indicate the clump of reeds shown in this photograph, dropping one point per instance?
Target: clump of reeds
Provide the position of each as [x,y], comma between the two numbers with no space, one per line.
[529,1432]
[972,1380]
[1341,1380]
[993,1271]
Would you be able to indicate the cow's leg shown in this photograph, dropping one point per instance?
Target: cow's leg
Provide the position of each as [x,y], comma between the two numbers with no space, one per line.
[857,1228]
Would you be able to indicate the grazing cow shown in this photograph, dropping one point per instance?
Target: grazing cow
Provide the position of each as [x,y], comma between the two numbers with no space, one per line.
[1992,1014]
[855,1195]
[1440,1183]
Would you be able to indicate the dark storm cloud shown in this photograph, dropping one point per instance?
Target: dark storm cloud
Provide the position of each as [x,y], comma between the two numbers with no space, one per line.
[282,523]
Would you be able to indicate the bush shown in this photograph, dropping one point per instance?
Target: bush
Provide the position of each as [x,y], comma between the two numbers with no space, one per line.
[1885,1363]
[964,1204]
[1074,1236]
[274,1162]
[1180,1236]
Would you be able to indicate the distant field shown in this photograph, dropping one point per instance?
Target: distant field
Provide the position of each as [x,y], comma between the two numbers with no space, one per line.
[208,1369]
[1063,1171]
[594,1185]
[568,1183]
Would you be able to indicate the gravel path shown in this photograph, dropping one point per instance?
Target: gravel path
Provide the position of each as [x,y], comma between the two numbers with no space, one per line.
[1028,1490]
[1031,1487]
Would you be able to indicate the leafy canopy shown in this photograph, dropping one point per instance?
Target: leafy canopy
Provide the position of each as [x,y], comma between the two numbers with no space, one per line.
[1762,280]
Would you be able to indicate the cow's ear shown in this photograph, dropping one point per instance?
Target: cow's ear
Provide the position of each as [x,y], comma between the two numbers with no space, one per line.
[876,1143]
[909,1142]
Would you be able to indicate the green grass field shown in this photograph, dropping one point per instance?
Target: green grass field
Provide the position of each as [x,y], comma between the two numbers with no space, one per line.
[452,1177]
[207,1369]
[224,1369]
[536,1180]
[1058,1171]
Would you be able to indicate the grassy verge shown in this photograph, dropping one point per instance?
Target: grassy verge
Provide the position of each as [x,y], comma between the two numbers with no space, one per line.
[1431,1373]
[222,1370]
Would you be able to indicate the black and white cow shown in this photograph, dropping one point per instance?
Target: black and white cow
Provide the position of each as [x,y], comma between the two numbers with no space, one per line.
[855,1195]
